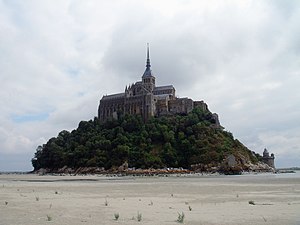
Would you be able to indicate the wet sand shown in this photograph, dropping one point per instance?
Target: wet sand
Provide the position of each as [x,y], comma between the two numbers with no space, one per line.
[90,200]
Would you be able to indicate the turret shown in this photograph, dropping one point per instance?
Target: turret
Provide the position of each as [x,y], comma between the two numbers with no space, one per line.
[268,159]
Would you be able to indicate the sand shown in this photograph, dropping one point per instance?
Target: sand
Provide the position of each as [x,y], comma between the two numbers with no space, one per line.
[72,200]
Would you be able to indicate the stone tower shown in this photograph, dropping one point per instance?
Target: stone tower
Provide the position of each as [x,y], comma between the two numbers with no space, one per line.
[268,159]
[148,84]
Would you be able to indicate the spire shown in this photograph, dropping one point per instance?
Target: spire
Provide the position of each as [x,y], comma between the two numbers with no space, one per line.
[148,71]
[148,58]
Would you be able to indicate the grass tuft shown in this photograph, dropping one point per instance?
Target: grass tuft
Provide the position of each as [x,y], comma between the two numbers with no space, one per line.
[251,202]
[139,217]
[117,215]
[180,218]
[49,218]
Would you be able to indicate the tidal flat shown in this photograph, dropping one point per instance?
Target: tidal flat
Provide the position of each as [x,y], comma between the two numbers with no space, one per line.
[93,199]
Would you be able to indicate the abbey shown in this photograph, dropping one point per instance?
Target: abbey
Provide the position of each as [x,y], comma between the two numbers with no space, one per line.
[146,99]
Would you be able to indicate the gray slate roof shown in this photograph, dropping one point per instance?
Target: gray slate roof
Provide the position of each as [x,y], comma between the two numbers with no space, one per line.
[114,96]
[148,72]
[166,87]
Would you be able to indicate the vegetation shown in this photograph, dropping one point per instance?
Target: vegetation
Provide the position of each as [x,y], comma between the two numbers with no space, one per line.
[139,217]
[117,215]
[251,202]
[180,218]
[49,218]
[169,141]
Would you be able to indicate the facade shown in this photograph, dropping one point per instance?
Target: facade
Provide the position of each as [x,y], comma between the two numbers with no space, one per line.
[146,99]
[269,160]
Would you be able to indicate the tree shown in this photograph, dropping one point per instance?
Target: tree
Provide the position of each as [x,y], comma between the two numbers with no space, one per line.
[173,141]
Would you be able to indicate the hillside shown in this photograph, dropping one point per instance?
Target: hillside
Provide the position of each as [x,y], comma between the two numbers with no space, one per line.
[192,141]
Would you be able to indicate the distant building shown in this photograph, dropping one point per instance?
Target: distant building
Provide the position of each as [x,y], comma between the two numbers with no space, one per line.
[268,159]
[146,99]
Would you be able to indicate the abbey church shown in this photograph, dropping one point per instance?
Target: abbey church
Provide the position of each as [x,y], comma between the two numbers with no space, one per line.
[146,99]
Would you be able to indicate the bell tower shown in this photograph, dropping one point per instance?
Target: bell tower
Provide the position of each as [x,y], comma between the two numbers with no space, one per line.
[148,79]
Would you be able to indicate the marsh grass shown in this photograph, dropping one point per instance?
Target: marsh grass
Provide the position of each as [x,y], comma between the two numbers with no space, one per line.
[139,217]
[49,218]
[180,218]
[116,215]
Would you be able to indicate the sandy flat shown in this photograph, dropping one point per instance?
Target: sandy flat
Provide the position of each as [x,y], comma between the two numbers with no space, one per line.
[72,200]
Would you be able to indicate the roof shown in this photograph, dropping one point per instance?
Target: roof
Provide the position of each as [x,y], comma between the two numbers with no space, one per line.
[114,96]
[163,96]
[166,87]
[148,72]
[266,151]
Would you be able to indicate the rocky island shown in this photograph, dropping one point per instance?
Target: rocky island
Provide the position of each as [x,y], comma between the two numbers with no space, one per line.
[148,130]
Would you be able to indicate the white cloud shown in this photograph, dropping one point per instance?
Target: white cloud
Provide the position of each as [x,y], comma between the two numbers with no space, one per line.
[241,57]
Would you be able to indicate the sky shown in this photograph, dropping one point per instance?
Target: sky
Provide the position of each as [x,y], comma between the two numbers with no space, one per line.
[58,58]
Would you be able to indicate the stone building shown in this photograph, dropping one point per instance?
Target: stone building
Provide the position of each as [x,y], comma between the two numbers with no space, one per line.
[269,160]
[146,99]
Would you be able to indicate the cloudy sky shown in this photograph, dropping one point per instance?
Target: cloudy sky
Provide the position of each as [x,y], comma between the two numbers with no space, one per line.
[58,58]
